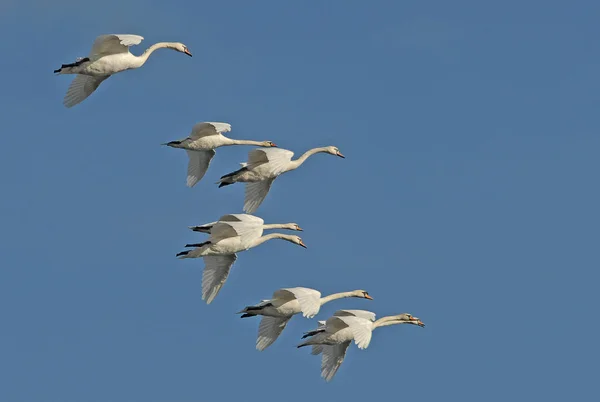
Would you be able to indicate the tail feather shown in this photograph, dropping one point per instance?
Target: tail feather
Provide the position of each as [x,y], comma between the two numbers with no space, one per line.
[171,143]
[77,63]
[202,229]
[229,178]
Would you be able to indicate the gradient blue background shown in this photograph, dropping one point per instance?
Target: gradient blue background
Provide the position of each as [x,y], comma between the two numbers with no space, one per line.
[469,197]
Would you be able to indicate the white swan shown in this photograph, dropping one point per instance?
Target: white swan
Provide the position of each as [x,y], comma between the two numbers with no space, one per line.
[219,252]
[265,165]
[109,55]
[333,338]
[206,228]
[284,304]
[201,145]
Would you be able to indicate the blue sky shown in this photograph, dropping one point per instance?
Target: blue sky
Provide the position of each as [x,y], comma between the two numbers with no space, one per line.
[469,197]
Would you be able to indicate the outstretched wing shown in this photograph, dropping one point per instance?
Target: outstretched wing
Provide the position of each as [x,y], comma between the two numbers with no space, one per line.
[208,128]
[198,165]
[216,271]
[361,328]
[81,87]
[114,43]
[255,194]
[309,299]
[333,356]
[269,330]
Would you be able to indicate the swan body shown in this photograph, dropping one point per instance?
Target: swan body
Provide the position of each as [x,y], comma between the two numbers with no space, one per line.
[263,167]
[201,144]
[206,228]
[284,304]
[109,55]
[332,338]
[226,239]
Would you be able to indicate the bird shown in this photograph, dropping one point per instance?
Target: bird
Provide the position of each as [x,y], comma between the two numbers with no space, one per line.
[284,304]
[332,338]
[206,228]
[201,145]
[109,55]
[263,167]
[219,252]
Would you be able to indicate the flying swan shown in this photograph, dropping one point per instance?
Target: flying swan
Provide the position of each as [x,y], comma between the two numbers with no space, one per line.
[265,165]
[201,145]
[226,239]
[109,55]
[284,304]
[332,338]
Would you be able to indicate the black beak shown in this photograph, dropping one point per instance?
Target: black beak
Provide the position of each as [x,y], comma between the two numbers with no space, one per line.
[186,51]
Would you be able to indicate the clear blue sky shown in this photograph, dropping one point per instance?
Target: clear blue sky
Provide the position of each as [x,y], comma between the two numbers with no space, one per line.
[469,197]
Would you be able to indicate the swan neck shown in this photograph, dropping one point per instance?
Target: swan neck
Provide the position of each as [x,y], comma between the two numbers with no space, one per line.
[335,296]
[144,56]
[274,226]
[296,163]
[244,142]
[268,237]
[385,321]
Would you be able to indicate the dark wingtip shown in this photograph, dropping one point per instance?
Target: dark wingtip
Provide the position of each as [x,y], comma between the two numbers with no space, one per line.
[246,315]
[58,71]
[182,253]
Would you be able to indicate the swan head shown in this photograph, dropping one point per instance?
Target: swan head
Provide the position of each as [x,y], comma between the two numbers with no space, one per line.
[180,47]
[406,318]
[362,294]
[293,226]
[268,144]
[334,151]
[296,240]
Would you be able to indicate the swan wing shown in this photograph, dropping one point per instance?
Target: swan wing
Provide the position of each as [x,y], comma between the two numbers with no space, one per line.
[222,230]
[333,356]
[309,299]
[255,194]
[114,43]
[269,330]
[243,218]
[356,313]
[277,158]
[208,128]
[361,328]
[216,271]
[198,165]
[81,87]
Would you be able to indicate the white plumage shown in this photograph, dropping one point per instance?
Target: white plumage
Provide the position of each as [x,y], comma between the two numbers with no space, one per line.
[109,55]
[284,304]
[263,167]
[228,237]
[201,144]
[332,338]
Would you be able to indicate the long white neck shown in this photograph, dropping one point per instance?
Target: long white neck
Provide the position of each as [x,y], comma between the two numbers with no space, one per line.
[278,226]
[336,296]
[243,142]
[385,321]
[268,237]
[295,164]
[141,59]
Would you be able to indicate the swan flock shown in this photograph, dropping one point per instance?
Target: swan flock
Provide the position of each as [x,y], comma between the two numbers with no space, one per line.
[234,233]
